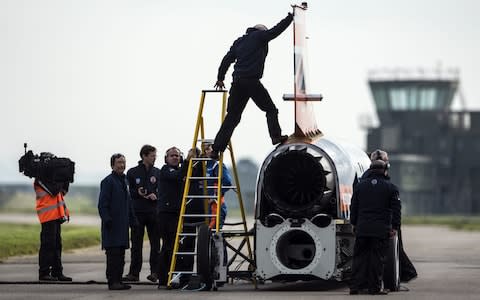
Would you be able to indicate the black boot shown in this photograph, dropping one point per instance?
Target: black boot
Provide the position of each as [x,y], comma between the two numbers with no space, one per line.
[47,277]
[118,286]
[62,277]
[279,139]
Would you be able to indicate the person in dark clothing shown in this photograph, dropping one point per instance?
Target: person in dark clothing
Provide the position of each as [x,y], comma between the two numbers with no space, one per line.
[407,269]
[375,215]
[194,206]
[212,171]
[143,182]
[116,211]
[172,180]
[248,52]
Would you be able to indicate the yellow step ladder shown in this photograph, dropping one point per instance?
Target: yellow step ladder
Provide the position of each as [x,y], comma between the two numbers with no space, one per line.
[210,244]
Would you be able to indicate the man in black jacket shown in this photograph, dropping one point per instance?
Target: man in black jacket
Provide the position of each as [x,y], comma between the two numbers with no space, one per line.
[172,182]
[248,52]
[375,215]
[116,211]
[143,181]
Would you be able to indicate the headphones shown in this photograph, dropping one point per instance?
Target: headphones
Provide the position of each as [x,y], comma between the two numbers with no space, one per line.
[174,148]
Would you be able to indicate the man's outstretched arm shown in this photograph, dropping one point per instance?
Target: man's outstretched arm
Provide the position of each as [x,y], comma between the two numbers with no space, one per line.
[279,28]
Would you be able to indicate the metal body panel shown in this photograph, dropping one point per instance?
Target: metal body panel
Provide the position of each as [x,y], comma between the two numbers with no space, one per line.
[269,265]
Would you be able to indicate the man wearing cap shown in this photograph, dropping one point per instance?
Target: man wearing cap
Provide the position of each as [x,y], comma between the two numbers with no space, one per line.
[248,52]
[375,215]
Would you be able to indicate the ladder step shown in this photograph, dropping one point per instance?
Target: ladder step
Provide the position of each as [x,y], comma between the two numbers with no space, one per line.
[199,215]
[214,91]
[201,159]
[201,196]
[187,234]
[202,177]
[223,187]
[206,140]
[230,232]
[186,253]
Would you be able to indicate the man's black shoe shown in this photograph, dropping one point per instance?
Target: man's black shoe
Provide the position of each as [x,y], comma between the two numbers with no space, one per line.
[378,292]
[118,286]
[358,292]
[130,277]
[279,140]
[47,278]
[62,277]
[162,283]
[153,277]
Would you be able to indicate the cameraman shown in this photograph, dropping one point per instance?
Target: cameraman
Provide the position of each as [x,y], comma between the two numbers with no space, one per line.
[52,212]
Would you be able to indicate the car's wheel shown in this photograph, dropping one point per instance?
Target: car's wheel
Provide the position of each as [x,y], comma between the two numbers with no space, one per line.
[391,272]
[204,255]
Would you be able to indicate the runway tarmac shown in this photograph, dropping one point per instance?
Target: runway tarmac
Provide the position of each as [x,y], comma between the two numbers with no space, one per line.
[447,261]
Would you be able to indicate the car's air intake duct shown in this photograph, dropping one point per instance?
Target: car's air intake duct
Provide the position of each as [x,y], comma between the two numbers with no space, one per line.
[295,181]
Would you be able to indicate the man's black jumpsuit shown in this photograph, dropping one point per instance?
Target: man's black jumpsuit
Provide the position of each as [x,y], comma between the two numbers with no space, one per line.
[249,53]
[375,210]
[169,203]
[145,211]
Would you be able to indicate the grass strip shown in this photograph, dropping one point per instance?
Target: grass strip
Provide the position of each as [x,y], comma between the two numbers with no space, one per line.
[468,223]
[24,239]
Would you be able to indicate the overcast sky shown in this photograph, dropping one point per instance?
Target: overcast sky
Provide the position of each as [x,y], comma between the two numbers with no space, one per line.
[87,78]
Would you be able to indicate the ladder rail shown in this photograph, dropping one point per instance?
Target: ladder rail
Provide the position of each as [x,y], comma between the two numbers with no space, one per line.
[220,170]
[240,199]
[176,245]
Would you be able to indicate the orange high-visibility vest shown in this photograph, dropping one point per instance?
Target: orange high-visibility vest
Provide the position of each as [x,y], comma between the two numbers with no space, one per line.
[213,211]
[50,207]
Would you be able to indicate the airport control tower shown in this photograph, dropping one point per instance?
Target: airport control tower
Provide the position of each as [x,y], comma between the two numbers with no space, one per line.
[434,151]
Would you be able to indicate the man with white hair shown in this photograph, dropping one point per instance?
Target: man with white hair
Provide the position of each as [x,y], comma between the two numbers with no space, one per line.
[248,52]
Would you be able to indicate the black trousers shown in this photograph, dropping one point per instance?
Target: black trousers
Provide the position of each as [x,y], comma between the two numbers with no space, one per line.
[50,254]
[369,255]
[115,264]
[149,221]
[240,92]
[167,228]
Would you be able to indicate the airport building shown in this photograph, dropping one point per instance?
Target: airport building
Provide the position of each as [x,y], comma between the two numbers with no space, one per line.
[433,150]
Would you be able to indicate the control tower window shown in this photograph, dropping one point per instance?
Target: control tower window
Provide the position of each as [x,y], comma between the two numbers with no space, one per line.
[398,98]
[414,98]
[413,95]
[427,99]
[381,98]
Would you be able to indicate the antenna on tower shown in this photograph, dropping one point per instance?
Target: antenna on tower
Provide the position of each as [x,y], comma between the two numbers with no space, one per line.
[461,97]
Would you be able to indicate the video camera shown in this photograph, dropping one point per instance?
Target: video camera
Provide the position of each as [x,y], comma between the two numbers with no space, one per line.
[46,167]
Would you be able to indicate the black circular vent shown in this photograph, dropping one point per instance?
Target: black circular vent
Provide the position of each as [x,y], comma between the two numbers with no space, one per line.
[294,181]
[296,249]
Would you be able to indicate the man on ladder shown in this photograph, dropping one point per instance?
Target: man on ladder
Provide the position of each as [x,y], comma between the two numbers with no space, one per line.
[212,171]
[249,53]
